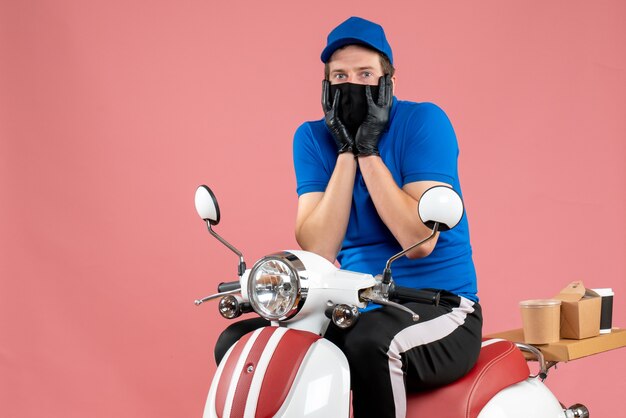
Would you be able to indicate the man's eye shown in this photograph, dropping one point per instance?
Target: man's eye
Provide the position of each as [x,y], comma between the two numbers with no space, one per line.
[340,76]
[366,74]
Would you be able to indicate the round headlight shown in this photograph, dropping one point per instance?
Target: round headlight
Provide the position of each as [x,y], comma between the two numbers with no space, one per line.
[274,288]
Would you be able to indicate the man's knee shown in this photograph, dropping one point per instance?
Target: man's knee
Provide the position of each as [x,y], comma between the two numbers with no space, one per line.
[365,348]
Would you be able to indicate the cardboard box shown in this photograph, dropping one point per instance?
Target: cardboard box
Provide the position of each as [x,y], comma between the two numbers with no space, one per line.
[580,311]
[566,350]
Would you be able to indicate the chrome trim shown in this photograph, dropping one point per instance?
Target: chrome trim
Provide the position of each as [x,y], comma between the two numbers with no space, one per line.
[544,366]
[577,411]
[353,311]
[296,266]
[224,309]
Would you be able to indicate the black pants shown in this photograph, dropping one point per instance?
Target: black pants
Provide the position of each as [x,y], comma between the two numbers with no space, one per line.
[389,354]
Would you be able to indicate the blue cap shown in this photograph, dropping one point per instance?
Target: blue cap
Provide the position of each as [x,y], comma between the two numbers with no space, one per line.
[356,30]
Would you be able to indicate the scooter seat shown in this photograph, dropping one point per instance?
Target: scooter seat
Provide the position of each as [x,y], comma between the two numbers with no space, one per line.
[500,364]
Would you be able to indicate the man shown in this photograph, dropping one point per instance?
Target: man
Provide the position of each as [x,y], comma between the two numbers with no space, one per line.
[360,172]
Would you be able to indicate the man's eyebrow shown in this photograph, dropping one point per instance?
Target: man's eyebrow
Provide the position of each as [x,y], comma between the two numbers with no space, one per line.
[341,70]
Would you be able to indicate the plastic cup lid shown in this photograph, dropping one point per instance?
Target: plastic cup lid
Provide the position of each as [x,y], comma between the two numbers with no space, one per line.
[539,303]
[607,291]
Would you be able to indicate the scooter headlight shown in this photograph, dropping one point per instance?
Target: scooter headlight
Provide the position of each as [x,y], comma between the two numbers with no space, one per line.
[274,286]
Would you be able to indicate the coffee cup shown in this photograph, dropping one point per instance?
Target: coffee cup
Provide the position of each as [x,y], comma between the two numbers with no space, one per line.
[606,310]
[541,319]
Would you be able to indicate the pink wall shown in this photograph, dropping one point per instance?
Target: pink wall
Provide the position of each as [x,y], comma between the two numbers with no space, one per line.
[111,113]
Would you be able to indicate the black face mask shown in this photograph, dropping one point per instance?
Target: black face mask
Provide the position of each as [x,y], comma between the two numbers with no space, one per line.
[352,104]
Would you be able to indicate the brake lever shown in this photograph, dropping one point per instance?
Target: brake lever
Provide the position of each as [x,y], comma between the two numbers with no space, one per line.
[198,302]
[370,296]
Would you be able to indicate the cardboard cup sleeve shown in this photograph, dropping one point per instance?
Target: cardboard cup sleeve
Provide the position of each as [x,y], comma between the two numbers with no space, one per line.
[606,310]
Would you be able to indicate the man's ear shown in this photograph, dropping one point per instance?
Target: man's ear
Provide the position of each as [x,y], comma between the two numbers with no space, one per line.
[393,85]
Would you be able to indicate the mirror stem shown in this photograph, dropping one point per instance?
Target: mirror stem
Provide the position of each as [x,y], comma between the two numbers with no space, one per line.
[387,272]
[242,264]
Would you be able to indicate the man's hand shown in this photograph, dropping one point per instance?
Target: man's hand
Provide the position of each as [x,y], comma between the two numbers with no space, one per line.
[370,131]
[344,141]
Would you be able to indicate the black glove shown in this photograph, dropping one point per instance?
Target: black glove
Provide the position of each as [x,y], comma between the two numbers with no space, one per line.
[344,141]
[375,122]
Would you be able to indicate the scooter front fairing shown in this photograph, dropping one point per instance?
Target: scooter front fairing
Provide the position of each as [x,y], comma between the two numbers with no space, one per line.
[276,371]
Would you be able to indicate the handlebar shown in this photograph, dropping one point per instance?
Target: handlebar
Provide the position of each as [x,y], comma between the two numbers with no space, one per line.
[409,294]
[228,286]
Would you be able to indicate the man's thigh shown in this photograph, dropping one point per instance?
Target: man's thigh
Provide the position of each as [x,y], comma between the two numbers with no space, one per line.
[438,349]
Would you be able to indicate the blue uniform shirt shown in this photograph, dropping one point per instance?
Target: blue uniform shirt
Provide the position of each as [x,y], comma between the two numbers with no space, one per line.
[418,144]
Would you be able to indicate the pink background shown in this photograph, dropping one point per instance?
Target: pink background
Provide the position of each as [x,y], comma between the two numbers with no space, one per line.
[111,113]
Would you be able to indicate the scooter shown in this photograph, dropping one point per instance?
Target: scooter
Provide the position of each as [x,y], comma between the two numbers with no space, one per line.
[289,370]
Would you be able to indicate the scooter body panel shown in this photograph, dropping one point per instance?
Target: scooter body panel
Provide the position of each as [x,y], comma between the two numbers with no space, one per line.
[529,398]
[292,374]
[322,386]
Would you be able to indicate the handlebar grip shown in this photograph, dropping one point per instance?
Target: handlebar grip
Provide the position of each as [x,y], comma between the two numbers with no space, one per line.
[409,294]
[228,286]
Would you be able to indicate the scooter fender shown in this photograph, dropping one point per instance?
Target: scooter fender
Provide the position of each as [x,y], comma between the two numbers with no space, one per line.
[276,371]
[528,398]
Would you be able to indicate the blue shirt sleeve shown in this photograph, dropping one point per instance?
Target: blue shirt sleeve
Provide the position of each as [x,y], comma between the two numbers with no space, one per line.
[431,149]
[311,173]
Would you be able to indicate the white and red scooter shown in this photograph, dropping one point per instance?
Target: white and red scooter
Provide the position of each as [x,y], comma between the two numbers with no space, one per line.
[289,369]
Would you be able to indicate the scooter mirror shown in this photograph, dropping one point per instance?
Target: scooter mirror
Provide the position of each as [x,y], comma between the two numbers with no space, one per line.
[442,205]
[206,205]
[440,208]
